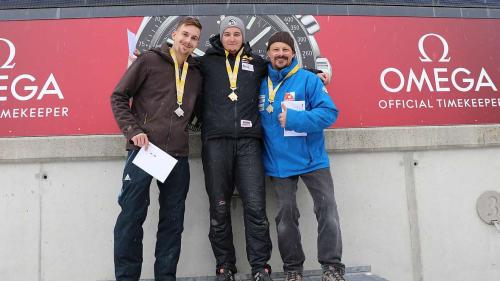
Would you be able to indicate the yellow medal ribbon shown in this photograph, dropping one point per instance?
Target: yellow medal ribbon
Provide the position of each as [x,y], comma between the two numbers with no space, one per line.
[180,82]
[272,92]
[233,74]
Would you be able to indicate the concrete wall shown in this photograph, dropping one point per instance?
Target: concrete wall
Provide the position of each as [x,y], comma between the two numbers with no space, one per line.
[406,198]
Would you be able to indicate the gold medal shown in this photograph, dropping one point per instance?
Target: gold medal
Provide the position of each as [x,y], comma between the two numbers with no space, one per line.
[180,82]
[272,91]
[233,74]
[233,96]
[179,111]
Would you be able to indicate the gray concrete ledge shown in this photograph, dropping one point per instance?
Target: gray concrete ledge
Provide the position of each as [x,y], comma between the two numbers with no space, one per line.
[412,138]
[107,147]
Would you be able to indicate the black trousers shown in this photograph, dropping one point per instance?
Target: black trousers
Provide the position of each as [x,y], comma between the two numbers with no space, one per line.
[230,163]
[128,233]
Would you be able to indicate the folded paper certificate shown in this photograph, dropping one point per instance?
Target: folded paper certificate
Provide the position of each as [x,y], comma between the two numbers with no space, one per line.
[155,162]
[298,105]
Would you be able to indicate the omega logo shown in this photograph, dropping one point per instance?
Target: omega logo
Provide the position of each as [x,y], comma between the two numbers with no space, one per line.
[424,54]
[12,53]
[439,79]
[30,91]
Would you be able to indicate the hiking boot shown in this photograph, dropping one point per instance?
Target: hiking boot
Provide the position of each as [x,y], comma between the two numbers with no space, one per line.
[293,276]
[263,274]
[224,274]
[331,273]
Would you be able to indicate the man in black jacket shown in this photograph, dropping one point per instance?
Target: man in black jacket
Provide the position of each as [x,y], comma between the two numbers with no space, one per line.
[231,153]
[161,108]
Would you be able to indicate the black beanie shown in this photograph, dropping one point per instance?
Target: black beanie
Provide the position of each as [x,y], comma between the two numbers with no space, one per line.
[283,37]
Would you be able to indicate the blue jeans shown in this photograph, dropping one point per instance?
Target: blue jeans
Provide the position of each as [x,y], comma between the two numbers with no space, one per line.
[320,186]
[128,232]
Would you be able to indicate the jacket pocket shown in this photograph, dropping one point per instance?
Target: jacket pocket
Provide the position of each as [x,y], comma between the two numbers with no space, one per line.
[296,153]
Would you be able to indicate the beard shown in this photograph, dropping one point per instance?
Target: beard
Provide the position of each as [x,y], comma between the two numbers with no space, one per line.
[278,65]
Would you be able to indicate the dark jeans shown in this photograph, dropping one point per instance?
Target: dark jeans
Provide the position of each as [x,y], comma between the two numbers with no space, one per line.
[134,202]
[230,163]
[320,186]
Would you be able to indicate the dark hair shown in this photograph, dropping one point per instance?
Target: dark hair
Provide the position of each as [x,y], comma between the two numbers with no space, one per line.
[188,21]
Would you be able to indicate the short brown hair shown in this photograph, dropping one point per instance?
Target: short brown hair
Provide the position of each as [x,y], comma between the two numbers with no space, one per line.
[188,21]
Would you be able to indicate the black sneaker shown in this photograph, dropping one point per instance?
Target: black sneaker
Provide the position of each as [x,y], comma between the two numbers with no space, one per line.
[224,274]
[293,276]
[331,273]
[263,274]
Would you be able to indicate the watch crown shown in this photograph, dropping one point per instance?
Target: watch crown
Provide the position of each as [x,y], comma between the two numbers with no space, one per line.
[324,65]
[310,23]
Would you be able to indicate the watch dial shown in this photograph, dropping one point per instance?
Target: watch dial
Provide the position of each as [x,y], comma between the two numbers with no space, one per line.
[154,30]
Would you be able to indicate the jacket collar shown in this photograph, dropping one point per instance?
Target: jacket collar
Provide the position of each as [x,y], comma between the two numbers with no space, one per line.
[278,75]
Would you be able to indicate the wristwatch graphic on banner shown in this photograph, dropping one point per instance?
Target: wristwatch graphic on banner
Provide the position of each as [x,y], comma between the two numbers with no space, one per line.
[154,30]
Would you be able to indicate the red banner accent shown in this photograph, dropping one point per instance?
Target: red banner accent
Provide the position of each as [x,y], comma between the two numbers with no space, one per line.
[361,48]
[85,57]
[56,76]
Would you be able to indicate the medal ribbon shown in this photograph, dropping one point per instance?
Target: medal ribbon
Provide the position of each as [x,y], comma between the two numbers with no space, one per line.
[233,74]
[179,82]
[272,92]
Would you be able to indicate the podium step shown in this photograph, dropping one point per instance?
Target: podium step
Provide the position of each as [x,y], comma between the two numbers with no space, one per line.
[360,273]
[355,273]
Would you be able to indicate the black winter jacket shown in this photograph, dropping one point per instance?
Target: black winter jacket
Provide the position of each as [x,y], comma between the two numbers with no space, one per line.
[221,116]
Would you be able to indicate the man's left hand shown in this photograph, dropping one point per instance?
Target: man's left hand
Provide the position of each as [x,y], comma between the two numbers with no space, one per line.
[282,116]
[324,77]
[133,57]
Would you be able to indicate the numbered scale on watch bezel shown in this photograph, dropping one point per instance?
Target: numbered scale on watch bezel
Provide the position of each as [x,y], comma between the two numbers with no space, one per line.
[154,30]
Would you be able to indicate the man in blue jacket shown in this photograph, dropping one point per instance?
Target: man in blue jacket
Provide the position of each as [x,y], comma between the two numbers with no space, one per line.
[295,108]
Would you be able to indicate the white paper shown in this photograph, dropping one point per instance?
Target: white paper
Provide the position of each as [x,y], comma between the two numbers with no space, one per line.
[298,105]
[155,162]
[132,41]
